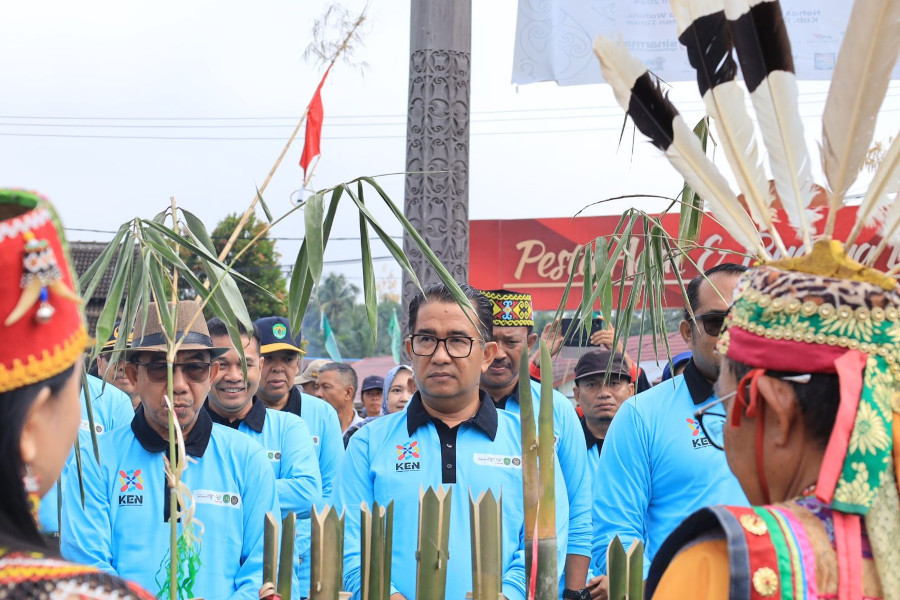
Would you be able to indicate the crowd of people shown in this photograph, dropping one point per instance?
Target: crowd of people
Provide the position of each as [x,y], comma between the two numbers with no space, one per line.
[262,436]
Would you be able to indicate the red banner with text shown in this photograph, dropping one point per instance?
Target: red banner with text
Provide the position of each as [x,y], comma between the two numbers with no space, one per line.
[535,255]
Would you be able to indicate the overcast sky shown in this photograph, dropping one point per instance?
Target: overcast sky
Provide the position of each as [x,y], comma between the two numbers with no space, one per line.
[128,77]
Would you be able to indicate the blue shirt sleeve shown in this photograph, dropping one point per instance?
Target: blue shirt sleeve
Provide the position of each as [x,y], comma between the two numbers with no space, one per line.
[331,451]
[513,583]
[622,486]
[300,485]
[259,498]
[353,487]
[572,453]
[85,534]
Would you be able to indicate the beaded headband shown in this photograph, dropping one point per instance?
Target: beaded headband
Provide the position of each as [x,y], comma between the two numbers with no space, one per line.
[510,309]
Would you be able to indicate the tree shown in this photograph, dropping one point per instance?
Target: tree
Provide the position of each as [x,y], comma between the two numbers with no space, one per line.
[259,263]
[336,298]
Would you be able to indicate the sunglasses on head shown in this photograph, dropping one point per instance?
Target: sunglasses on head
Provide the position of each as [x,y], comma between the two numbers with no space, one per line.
[197,371]
[712,322]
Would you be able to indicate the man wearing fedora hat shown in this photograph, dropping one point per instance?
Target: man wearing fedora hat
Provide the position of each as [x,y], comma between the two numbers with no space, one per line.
[281,364]
[124,525]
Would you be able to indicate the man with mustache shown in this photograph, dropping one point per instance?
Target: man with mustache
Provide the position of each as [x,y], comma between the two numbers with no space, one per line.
[513,326]
[280,366]
[124,526]
[284,436]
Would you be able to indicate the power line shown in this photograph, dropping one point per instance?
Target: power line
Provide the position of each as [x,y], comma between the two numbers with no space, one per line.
[803,99]
[286,239]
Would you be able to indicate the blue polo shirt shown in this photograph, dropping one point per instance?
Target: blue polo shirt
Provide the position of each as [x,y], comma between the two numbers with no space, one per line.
[112,408]
[124,529]
[657,468]
[288,446]
[393,457]
[575,484]
[325,427]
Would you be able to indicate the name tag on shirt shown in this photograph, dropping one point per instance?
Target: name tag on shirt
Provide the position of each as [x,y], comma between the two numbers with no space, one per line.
[213,497]
[497,460]
[86,426]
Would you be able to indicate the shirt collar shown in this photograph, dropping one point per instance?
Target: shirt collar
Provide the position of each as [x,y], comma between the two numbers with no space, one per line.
[484,419]
[194,444]
[255,419]
[589,437]
[699,388]
[295,401]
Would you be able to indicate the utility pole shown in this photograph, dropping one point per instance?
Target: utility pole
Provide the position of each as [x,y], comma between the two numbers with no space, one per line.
[437,138]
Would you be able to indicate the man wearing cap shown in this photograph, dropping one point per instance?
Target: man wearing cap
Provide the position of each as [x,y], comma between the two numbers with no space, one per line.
[513,326]
[603,381]
[372,395]
[450,435]
[124,525]
[657,466]
[280,365]
[284,436]
[307,379]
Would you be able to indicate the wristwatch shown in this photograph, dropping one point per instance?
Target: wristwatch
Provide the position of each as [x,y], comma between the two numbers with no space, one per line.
[582,594]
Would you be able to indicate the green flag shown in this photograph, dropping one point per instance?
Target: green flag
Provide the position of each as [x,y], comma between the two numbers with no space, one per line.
[331,346]
[394,331]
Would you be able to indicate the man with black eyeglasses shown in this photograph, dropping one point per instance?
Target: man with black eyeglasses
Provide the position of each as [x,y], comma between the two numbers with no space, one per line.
[452,435]
[657,467]
[124,526]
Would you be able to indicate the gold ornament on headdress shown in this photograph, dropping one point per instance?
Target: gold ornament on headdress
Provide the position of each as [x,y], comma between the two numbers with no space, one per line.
[41,275]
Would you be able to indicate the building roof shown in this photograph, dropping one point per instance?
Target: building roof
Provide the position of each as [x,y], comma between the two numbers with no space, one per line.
[83,256]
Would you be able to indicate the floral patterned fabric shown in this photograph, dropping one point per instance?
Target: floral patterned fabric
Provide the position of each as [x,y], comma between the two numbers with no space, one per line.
[778,306]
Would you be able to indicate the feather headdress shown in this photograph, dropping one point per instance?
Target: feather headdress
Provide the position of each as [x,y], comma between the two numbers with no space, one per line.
[719,34]
[821,312]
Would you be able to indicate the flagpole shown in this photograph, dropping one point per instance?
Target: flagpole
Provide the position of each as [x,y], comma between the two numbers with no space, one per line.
[262,188]
[252,207]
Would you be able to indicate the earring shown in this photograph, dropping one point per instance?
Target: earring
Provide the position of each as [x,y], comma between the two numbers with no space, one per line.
[32,485]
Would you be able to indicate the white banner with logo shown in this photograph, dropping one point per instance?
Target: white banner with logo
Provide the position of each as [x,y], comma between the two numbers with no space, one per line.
[554,38]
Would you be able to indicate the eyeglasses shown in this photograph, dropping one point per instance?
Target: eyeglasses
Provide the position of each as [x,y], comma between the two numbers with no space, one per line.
[457,346]
[712,416]
[198,372]
[712,322]
[712,420]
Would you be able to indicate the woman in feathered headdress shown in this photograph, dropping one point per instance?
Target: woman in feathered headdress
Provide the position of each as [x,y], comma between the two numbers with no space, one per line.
[42,340]
[809,384]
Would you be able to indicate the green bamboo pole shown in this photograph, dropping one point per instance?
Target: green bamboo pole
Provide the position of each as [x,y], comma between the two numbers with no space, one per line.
[434,542]
[270,537]
[617,570]
[326,555]
[530,475]
[375,551]
[548,575]
[286,564]
[636,571]
[485,520]
[173,498]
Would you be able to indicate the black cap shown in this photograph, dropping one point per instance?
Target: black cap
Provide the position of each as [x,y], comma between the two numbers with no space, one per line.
[372,382]
[601,362]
